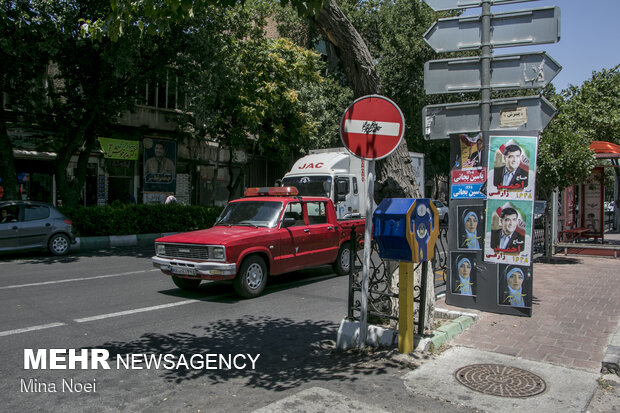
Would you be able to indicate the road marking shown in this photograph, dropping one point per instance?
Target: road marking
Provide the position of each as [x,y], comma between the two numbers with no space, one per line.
[33,328]
[76,279]
[137,310]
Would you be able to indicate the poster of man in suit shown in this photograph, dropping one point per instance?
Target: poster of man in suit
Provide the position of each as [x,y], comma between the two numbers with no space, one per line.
[512,167]
[508,237]
[159,165]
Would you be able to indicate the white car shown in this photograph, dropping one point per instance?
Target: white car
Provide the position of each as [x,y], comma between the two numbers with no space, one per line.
[443,211]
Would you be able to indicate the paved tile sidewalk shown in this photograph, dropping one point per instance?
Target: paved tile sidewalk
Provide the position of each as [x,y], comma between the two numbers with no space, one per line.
[576,311]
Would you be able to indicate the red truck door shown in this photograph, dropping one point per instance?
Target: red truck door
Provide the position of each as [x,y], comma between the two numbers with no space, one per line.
[323,240]
[294,240]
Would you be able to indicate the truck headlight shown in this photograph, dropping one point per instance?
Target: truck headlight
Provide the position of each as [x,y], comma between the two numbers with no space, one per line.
[218,253]
[160,249]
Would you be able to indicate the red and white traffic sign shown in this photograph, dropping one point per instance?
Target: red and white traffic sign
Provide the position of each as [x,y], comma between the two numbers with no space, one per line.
[372,127]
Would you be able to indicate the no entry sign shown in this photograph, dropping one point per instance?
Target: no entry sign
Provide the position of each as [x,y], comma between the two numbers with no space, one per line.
[372,127]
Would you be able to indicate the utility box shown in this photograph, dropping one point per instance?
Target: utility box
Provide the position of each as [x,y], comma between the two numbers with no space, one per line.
[406,229]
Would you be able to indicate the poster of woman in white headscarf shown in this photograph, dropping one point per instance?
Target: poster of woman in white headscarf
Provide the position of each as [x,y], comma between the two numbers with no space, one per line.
[512,167]
[464,269]
[515,286]
[508,236]
[470,226]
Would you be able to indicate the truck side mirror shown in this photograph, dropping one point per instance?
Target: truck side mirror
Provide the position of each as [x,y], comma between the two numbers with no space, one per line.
[288,222]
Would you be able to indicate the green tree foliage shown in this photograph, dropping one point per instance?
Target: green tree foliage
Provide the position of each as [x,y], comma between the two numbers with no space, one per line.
[88,84]
[585,113]
[23,53]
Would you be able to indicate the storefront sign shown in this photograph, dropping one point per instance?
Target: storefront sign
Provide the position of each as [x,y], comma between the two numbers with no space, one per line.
[120,149]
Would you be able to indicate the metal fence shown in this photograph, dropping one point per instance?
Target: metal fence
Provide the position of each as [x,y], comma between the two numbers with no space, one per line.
[383,287]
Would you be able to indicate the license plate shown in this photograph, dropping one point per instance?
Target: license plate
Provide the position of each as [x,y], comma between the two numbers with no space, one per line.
[183,271]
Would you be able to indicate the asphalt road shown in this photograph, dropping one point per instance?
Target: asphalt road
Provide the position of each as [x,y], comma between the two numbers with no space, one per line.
[116,301]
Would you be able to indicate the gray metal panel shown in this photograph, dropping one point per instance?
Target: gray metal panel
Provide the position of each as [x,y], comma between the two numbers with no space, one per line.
[516,71]
[439,5]
[517,28]
[439,121]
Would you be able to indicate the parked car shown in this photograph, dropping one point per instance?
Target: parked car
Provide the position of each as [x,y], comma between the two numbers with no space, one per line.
[26,225]
[443,211]
[609,207]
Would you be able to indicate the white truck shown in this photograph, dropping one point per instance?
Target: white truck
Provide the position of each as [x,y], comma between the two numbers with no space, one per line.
[336,174]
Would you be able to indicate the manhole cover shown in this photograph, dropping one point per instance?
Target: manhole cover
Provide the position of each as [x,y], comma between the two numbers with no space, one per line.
[500,380]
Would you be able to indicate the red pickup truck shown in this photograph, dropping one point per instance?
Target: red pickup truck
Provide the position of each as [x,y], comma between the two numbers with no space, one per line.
[271,231]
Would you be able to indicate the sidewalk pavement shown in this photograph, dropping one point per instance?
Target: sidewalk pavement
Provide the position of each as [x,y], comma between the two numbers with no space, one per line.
[574,327]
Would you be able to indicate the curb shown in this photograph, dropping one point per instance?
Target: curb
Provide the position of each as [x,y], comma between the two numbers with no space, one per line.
[611,361]
[349,331]
[96,243]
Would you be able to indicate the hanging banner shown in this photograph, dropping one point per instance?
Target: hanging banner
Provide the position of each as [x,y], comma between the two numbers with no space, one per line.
[512,167]
[119,149]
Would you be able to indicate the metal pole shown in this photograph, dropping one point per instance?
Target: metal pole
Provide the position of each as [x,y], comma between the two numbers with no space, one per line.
[367,252]
[554,221]
[351,268]
[423,287]
[405,307]
[485,76]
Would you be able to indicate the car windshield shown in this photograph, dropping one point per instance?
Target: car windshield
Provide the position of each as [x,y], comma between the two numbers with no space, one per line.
[251,213]
[310,185]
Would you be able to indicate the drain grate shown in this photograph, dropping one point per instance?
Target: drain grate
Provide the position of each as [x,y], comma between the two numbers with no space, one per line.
[500,380]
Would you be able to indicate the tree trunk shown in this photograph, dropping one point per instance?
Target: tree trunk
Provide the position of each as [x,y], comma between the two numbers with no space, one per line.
[351,49]
[70,190]
[395,177]
[7,163]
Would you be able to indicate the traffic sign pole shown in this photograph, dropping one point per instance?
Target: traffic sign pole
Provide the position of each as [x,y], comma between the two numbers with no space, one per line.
[371,128]
[367,253]
[485,85]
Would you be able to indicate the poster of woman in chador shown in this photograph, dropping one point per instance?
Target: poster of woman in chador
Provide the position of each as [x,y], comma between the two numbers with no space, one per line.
[508,237]
[464,268]
[470,226]
[512,167]
[514,286]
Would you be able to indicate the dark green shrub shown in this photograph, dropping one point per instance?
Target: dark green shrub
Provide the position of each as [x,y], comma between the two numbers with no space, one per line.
[127,219]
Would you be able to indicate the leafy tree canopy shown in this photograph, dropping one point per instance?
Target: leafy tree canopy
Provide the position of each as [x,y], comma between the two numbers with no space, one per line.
[585,113]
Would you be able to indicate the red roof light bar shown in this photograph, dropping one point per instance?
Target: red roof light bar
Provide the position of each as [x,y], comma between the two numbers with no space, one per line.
[272,191]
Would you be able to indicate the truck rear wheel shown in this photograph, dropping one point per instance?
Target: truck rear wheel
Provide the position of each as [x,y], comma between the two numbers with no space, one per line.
[343,261]
[186,283]
[251,278]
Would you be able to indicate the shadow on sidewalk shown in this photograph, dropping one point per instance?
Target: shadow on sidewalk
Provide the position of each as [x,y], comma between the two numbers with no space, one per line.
[291,353]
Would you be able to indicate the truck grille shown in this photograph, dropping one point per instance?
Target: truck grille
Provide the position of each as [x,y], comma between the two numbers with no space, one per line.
[194,252]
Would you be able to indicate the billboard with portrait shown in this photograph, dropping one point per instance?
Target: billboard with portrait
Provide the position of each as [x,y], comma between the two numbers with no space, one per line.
[159,168]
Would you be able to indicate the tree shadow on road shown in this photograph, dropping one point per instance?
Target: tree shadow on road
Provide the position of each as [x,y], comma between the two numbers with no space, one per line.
[291,353]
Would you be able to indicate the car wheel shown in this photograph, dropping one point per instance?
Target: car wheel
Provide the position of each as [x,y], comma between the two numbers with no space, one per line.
[59,244]
[186,283]
[343,261]
[251,278]
[445,219]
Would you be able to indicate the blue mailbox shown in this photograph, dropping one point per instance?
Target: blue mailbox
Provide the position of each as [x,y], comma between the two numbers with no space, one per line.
[406,229]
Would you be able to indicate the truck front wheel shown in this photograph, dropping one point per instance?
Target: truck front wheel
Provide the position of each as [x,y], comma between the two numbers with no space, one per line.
[186,283]
[251,278]
[343,261]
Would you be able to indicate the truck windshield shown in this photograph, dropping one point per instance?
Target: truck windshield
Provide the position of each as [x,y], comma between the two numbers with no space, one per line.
[310,185]
[251,213]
